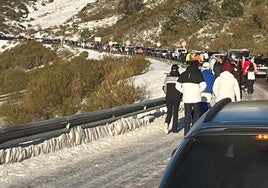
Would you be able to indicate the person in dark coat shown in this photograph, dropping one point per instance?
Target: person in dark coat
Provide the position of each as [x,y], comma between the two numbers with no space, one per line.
[191,83]
[173,98]
[218,67]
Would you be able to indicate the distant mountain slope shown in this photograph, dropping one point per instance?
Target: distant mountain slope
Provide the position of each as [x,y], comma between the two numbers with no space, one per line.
[10,16]
[204,24]
[56,13]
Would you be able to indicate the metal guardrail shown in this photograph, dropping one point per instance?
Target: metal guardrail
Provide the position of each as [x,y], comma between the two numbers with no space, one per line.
[14,135]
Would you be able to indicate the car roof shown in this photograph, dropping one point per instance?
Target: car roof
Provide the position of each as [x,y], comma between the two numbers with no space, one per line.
[241,49]
[243,111]
[213,55]
[234,115]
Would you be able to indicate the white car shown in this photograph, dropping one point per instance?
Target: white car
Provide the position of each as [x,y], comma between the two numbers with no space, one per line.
[218,55]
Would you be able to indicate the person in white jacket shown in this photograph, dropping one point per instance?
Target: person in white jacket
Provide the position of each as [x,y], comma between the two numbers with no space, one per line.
[226,86]
[191,84]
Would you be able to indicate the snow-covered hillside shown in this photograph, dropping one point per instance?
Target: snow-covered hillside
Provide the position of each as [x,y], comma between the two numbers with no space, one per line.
[45,15]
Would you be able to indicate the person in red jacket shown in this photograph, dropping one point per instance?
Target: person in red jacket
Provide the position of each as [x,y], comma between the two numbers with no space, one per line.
[251,70]
[245,74]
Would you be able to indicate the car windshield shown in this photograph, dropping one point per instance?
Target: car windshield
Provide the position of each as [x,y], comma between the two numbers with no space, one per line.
[223,162]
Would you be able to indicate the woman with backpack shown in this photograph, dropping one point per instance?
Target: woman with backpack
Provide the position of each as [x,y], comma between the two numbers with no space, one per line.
[245,74]
[251,76]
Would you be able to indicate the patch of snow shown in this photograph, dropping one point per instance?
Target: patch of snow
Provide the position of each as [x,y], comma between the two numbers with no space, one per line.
[55,13]
[106,22]
[151,4]
[7,44]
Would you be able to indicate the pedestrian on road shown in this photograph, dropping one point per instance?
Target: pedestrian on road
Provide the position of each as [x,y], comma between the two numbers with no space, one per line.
[245,74]
[207,94]
[217,67]
[173,98]
[226,86]
[251,70]
[191,83]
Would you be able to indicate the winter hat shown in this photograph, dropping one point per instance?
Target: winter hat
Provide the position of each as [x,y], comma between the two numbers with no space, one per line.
[194,63]
[227,67]
[219,59]
[206,65]
[174,67]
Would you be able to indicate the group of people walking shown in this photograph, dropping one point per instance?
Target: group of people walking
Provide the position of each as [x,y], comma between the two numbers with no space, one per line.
[196,87]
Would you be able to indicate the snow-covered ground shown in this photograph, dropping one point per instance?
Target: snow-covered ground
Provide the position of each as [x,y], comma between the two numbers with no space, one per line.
[153,79]
[61,12]
[7,44]
[55,13]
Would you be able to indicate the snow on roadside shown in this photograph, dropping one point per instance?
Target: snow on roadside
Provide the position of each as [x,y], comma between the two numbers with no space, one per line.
[153,79]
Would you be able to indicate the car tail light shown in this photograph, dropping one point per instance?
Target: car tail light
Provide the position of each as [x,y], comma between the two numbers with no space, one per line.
[261,137]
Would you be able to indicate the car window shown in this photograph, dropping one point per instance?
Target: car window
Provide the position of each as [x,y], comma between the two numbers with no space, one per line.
[223,162]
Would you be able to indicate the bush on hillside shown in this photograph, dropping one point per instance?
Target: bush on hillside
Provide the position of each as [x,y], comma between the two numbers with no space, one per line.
[28,55]
[118,89]
[232,8]
[193,10]
[13,80]
[124,67]
[129,6]
[13,111]
[59,89]
[111,96]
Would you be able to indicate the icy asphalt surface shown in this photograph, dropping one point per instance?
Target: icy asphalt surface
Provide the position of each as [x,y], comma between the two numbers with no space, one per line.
[135,159]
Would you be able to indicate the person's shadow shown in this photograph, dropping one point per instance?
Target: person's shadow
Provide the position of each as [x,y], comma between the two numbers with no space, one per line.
[180,124]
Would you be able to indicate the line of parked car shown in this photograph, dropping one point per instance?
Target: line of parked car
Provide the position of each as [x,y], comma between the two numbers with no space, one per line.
[178,54]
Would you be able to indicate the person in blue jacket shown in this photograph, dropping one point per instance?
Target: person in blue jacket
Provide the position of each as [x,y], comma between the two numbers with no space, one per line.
[206,95]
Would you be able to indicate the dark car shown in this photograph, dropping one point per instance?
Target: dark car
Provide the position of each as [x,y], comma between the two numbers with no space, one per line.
[235,54]
[266,75]
[47,41]
[210,53]
[227,147]
[262,64]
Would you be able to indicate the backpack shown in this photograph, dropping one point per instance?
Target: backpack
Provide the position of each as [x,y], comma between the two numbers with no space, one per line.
[251,67]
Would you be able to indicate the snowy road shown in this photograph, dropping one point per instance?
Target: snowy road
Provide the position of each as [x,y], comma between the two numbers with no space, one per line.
[136,159]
